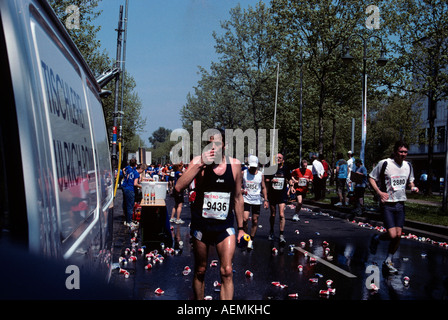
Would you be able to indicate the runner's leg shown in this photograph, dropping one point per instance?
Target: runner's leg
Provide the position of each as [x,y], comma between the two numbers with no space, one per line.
[200,250]
[226,249]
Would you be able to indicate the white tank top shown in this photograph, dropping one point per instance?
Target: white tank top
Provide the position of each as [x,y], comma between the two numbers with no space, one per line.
[252,184]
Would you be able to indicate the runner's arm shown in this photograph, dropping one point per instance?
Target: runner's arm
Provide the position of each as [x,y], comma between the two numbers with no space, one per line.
[238,197]
[194,168]
[383,195]
[264,193]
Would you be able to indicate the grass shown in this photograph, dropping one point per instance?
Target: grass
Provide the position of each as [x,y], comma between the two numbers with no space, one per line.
[414,211]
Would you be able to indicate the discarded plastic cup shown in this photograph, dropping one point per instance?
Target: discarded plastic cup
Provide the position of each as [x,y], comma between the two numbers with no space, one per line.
[406,280]
[332,290]
[329,283]
[125,272]
[293,295]
[148,266]
[249,274]
[374,287]
[300,268]
[274,251]
[159,291]
[186,271]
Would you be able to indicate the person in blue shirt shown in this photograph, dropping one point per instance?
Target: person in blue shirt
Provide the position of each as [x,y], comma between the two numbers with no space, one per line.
[131,178]
[341,175]
[361,184]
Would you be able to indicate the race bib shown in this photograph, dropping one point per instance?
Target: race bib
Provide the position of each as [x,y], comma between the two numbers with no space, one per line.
[398,182]
[279,184]
[216,205]
[251,186]
[302,182]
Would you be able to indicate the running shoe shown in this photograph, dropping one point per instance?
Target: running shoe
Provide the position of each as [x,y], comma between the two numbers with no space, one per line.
[374,241]
[271,237]
[296,217]
[338,204]
[390,267]
[250,245]
[179,221]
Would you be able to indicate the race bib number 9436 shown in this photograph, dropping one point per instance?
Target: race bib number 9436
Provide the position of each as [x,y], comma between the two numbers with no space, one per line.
[216,205]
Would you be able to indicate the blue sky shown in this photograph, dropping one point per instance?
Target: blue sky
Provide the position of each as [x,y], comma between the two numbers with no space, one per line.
[166,42]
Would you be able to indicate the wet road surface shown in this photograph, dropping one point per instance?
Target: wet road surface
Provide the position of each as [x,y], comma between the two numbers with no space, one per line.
[339,251]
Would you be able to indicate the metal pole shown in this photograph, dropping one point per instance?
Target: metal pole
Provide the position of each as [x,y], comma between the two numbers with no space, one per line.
[301,107]
[275,117]
[120,131]
[445,187]
[353,136]
[364,107]
[114,129]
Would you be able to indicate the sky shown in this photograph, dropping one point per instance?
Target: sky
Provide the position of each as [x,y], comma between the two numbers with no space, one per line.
[166,42]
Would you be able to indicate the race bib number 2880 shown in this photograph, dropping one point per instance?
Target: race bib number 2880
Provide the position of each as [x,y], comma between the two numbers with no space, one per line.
[216,205]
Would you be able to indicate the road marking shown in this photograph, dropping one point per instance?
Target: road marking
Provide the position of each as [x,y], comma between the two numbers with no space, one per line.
[328,264]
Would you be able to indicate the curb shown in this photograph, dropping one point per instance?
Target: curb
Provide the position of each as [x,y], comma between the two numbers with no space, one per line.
[435,232]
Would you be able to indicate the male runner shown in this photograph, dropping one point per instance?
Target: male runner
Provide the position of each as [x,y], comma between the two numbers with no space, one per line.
[253,188]
[389,179]
[300,177]
[218,192]
[277,186]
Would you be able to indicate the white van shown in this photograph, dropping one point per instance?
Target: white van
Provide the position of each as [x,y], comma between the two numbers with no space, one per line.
[56,188]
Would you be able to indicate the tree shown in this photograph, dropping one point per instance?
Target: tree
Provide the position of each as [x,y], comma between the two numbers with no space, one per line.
[421,30]
[315,33]
[238,92]
[161,144]
[159,136]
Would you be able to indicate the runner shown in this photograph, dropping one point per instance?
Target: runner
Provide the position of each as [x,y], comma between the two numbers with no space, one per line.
[178,196]
[300,177]
[218,192]
[389,179]
[253,187]
[277,185]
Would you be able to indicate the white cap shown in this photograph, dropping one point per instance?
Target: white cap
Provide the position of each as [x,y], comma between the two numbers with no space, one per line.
[253,161]
[350,152]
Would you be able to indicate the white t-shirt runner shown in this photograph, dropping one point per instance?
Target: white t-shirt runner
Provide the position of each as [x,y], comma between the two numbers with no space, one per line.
[396,178]
[252,184]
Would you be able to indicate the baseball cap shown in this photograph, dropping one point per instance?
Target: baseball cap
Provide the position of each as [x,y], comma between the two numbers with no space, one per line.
[253,161]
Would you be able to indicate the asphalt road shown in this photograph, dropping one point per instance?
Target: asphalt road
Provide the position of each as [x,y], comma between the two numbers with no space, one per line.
[339,252]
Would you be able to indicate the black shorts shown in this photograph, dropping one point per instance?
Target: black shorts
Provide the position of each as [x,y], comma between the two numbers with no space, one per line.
[340,185]
[393,214]
[359,192]
[212,237]
[255,208]
[178,197]
[275,198]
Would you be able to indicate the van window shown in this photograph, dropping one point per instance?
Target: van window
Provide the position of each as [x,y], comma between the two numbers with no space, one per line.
[102,147]
[65,105]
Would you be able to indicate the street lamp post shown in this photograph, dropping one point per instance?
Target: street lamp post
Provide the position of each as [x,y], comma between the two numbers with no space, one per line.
[347,58]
